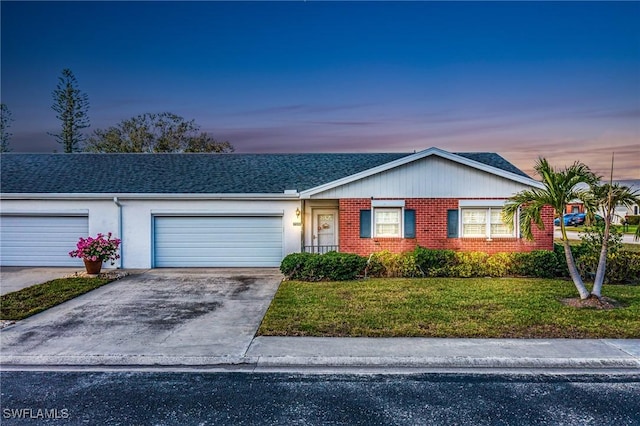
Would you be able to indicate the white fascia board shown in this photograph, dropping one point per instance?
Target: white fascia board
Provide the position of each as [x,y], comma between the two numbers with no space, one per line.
[221,213]
[418,156]
[23,212]
[387,203]
[144,196]
[481,203]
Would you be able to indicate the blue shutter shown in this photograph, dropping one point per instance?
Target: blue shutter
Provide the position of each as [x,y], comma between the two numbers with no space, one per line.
[452,223]
[365,223]
[409,223]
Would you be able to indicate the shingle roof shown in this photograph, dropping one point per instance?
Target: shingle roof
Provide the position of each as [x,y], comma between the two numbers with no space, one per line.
[191,173]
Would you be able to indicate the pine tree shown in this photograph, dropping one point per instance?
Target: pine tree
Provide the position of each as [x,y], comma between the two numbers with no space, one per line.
[5,123]
[71,106]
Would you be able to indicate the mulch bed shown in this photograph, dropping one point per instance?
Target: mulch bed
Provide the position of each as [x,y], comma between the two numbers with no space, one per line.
[592,302]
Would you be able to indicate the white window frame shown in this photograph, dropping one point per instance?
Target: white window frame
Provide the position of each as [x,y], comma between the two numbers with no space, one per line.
[385,206]
[487,206]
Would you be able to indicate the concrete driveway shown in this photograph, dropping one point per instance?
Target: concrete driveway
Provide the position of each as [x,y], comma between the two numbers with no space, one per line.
[160,316]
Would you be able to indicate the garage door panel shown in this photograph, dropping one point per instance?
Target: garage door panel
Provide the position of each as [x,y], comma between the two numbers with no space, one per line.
[217,241]
[40,240]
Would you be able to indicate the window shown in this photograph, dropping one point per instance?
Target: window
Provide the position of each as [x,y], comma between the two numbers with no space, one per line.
[474,222]
[484,223]
[388,219]
[387,222]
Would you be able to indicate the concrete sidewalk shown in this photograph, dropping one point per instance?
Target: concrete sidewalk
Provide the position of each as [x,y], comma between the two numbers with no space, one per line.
[295,353]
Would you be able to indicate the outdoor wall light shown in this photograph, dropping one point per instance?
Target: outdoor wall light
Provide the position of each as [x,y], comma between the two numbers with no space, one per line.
[297,212]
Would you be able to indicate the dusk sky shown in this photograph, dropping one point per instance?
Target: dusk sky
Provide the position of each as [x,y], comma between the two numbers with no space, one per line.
[559,80]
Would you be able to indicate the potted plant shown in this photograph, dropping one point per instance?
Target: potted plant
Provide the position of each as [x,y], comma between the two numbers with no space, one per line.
[95,251]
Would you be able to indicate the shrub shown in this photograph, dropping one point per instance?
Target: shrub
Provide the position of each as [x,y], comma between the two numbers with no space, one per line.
[331,266]
[470,264]
[434,263]
[500,264]
[540,263]
[293,263]
[387,264]
[623,267]
[633,220]
[561,263]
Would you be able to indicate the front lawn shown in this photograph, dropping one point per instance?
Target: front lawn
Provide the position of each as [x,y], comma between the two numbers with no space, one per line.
[31,300]
[447,307]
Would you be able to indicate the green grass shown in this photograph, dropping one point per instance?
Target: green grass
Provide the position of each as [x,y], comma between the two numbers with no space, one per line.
[631,229]
[31,300]
[625,246]
[447,307]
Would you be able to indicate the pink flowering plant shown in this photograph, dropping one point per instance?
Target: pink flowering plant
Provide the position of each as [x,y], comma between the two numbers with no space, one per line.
[103,248]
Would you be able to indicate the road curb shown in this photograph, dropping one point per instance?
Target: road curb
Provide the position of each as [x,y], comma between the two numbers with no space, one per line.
[328,362]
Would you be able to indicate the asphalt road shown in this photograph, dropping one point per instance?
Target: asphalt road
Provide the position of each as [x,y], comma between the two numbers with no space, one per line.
[159,398]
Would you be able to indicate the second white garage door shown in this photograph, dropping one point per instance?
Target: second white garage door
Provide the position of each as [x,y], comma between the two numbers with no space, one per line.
[217,241]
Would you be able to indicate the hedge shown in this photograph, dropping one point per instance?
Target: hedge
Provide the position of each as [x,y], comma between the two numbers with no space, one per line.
[633,220]
[622,267]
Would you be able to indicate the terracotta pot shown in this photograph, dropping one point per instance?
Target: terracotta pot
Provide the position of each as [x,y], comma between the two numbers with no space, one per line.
[93,267]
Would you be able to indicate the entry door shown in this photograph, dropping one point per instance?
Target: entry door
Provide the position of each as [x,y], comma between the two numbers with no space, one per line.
[325,230]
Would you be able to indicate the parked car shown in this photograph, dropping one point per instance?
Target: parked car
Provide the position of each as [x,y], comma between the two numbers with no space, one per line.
[566,219]
[580,219]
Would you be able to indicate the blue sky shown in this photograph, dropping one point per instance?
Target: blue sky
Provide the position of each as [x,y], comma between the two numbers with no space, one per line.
[560,80]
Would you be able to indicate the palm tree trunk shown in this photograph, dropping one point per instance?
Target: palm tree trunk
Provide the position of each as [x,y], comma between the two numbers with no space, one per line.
[571,265]
[602,260]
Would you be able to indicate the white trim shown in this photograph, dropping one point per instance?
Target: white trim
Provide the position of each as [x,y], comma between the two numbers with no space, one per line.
[418,156]
[82,212]
[216,213]
[387,203]
[481,203]
[143,196]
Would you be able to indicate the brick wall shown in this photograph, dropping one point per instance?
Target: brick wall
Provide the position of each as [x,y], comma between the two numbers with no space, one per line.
[431,230]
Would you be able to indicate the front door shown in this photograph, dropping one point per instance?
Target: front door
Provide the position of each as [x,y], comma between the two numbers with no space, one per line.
[325,230]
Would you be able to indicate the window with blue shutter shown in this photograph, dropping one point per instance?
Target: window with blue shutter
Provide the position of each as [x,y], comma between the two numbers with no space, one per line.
[409,223]
[365,223]
[452,223]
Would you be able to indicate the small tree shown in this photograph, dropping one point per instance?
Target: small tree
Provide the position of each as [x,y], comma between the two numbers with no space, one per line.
[607,197]
[5,123]
[560,187]
[152,133]
[71,106]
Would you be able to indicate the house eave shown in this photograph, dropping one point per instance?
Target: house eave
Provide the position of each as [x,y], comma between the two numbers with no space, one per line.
[414,157]
[145,196]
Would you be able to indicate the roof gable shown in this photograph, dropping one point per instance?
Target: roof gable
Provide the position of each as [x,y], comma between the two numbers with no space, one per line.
[488,162]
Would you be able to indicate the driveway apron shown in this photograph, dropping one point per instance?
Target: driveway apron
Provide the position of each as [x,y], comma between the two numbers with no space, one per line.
[160,313]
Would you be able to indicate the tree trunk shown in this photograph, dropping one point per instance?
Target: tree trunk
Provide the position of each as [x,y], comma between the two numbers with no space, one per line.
[602,260]
[573,270]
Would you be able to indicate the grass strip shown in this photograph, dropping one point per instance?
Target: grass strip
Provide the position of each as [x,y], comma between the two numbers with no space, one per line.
[447,307]
[32,300]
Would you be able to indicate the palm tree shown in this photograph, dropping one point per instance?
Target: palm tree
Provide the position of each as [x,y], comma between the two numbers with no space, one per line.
[607,197]
[560,187]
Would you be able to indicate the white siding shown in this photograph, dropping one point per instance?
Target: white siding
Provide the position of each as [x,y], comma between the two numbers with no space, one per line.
[430,177]
[40,240]
[218,241]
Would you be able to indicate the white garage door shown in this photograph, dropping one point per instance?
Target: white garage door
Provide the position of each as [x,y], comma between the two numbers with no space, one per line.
[218,241]
[40,240]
